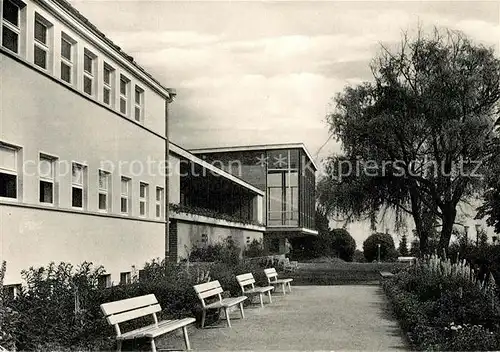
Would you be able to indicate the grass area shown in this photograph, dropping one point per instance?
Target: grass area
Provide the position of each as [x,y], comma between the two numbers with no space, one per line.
[338,272]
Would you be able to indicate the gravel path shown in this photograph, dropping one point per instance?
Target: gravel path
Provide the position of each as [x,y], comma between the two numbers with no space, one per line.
[310,318]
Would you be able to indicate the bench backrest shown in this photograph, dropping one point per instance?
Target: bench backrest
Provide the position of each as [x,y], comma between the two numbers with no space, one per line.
[245,280]
[271,274]
[208,290]
[127,309]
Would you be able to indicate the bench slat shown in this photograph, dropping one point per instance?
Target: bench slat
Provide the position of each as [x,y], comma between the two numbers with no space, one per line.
[244,277]
[128,304]
[271,272]
[246,282]
[206,286]
[210,293]
[133,314]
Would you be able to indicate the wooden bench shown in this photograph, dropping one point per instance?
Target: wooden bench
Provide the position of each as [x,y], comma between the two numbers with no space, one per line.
[247,280]
[213,289]
[128,309]
[272,279]
[290,266]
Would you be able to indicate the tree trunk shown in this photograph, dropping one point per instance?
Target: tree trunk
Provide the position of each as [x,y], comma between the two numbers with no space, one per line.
[449,215]
[416,209]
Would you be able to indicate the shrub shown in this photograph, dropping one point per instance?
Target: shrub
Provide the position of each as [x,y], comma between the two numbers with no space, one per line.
[255,249]
[226,251]
[343,244]
[403,246]
[387,249]
[8,317]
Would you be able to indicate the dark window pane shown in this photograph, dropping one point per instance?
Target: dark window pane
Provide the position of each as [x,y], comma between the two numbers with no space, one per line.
[11,12]
[46,192]
[102,202]
[123,87]
[138,94]
[8,185]
[87,63]
[66,49]
[40,57]
[124,205]
[77,198]
[10,39]
[65,72]
[123,106]
[40,32]
[87,85]
[106,96]
[142,208]
[107,75]
[137,114]
[158,210]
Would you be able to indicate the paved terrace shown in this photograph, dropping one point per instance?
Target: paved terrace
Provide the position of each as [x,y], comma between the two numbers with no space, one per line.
[310,318]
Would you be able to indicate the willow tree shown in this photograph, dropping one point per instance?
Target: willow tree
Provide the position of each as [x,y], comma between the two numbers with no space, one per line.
[414,138]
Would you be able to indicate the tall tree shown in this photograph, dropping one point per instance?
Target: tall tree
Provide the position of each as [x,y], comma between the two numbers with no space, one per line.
[403,246]
[414,138]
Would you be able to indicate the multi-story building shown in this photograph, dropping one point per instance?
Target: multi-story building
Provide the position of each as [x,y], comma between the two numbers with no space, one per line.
[286,173]
[82,145]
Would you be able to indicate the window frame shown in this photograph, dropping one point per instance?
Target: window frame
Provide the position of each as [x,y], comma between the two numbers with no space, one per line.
[124,96]
[81,186]
[106,192]
[126,195]
[108,86]
[144,199]
[51,180]
[89,75]
[68,62]
[138,92]
[12,172]
[16,29]
[159,202]
[37,44]
[128,277]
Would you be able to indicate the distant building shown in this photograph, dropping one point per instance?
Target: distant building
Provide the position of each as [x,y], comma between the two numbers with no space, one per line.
[286,173]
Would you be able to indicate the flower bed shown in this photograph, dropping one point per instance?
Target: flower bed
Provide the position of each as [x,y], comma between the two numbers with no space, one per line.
[444,307]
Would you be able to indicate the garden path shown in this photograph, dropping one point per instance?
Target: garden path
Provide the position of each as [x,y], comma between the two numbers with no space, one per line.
[310,318]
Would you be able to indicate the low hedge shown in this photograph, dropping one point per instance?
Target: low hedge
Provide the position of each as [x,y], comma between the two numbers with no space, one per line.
[443,312]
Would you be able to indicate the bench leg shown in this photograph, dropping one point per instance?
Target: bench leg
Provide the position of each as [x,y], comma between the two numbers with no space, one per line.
[261,302]
[119,345]
[153,346]
[186,338]
[203,316]
[227,316]
[283,287]
[269,294]
[241,311]
[289,287]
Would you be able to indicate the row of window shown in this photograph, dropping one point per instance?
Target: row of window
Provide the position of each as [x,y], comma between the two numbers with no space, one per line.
[48,185]
[43,56]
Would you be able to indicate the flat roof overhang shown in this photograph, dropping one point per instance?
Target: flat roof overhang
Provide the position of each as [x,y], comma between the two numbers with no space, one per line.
[289,232]
[175,149]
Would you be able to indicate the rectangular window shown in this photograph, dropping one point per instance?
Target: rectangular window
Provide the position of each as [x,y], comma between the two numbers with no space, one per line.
[8,172]
[143,199]
[125,278]
[88,72]
[124,83]
[104,281]
[159,202]
[47,179]
[138,103]
[108,83]
[11,25]
[66,58]
[78,186]
[104,187]
[124,198]
[10,292]
[41,43]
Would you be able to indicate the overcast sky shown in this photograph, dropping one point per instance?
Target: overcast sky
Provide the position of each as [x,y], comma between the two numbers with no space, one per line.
[265,72]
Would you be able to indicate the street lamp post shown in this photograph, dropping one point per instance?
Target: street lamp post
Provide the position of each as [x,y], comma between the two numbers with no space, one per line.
[378,252]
